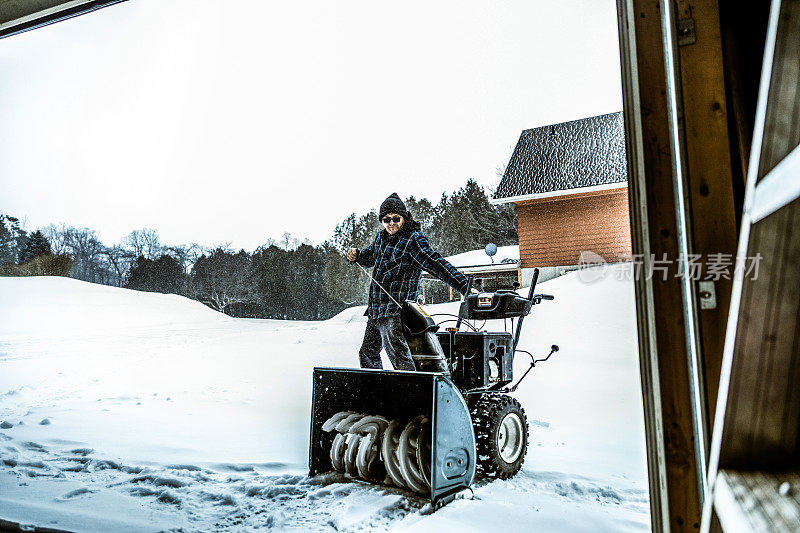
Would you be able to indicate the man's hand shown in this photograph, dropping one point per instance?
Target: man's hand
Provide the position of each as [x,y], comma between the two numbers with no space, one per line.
[474,291]
[352,253]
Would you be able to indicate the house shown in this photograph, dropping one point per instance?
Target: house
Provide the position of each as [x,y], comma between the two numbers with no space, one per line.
[500,271]
[569,183]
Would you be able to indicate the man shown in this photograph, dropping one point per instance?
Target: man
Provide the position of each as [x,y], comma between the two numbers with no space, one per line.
[398,255]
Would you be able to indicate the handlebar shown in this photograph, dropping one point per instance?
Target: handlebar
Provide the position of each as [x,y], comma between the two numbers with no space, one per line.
[461,311]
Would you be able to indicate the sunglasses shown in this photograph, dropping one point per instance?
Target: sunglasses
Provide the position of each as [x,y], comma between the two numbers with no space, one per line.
[396,219]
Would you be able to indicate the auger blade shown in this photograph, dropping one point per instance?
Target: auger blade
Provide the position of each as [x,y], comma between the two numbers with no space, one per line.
[439,448]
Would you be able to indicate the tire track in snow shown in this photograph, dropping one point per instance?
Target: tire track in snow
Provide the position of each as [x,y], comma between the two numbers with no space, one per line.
[227,497]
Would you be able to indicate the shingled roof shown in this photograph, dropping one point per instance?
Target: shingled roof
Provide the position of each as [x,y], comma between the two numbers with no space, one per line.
[589,152]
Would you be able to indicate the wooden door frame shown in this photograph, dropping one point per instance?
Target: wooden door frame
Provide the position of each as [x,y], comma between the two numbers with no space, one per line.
[679,168]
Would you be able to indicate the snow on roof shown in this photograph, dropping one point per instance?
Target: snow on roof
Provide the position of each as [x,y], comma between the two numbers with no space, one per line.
[574,155]
[505,255]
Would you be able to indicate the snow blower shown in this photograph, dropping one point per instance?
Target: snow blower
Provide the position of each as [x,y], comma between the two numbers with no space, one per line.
[430,431]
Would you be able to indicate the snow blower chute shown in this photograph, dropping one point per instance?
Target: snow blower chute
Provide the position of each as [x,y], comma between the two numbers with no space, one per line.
[432,430]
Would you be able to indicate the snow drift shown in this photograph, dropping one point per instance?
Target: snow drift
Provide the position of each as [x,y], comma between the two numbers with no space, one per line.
[130,411]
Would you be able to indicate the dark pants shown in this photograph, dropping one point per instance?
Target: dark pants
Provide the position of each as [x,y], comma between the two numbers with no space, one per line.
[386,333]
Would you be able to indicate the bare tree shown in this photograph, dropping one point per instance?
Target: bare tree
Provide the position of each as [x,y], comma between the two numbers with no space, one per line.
[56,234]
[86,250]
[119,258]
[224,246]
[269,242]
[193,252]
[288,242]
[187,255]
[144,242]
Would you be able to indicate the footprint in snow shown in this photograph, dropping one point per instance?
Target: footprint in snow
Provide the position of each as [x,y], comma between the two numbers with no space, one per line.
[45,422]
[34,446]
[6,425]
[82,451]
[75,493]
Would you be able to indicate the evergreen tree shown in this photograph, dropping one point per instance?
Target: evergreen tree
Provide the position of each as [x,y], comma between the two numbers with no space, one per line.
[35,246]
[356,231]
[467,221]
[344,282]
[223,279]
[12,239]
[270,275]
[423,212]
[7,255]
[164,275]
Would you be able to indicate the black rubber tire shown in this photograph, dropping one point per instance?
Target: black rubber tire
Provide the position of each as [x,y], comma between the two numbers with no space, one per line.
[488,412]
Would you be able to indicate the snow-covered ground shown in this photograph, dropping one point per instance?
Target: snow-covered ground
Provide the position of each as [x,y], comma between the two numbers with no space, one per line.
[130,411]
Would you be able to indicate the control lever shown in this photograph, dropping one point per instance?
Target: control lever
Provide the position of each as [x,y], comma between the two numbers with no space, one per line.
[519,320]
[463,309]
[553,349]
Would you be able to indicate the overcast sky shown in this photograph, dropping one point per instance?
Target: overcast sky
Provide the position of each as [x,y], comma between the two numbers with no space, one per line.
[213,126]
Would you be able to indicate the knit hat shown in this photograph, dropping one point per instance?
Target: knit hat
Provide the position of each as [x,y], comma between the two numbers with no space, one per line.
[393,204]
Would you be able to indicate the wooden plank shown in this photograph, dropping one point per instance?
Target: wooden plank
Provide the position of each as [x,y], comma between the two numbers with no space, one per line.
[762,421]
[555,233]
[574,220]
[646,327]
[748,362]
[709,174]
[733,516]
[574,250]
[751,501]
[603,237]
[779,187]
[622,190]
[566,232]
[782,123]
[541,226]
[743,30]
[765,435]
[615,200]
[665,301]
[533,261]
[792,399]
[573,216]
[741,317]
[552,249]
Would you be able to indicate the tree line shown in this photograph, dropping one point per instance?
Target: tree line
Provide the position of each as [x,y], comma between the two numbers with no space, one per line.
[285,279]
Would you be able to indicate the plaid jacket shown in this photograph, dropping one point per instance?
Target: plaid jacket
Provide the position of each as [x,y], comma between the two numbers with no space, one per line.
[398,261]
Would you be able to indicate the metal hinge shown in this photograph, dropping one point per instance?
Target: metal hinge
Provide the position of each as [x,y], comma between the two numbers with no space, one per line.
[686,33]
[708,295]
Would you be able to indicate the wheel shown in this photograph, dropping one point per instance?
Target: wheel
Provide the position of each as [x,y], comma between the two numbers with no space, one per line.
[501,435]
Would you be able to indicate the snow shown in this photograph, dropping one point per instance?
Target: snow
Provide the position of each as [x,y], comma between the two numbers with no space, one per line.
[505,254]
[130,411]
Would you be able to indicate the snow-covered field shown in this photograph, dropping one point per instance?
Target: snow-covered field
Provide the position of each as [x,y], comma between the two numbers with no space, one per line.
[130,411]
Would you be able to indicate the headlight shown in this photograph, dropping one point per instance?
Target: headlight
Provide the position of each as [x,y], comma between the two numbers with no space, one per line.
[484,300]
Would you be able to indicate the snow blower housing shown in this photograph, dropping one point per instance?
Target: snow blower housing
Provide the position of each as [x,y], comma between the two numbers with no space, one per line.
[430,431]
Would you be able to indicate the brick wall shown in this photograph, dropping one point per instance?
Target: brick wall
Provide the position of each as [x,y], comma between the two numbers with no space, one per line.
[554,231]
